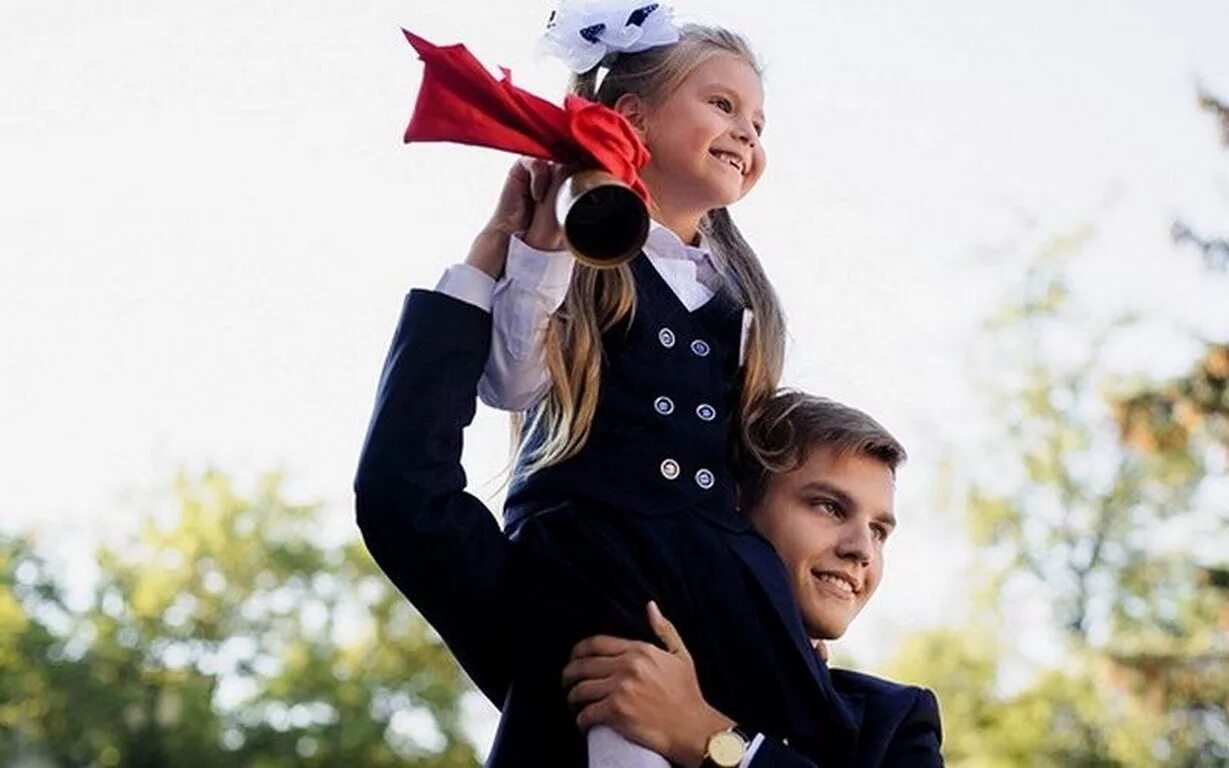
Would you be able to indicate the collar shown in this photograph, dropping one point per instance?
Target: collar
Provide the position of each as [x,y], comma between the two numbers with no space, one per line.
[662,243]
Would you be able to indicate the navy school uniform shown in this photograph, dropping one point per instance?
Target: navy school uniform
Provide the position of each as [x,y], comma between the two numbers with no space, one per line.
[644,511]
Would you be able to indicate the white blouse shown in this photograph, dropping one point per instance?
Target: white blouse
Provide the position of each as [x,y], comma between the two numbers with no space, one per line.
[534,286]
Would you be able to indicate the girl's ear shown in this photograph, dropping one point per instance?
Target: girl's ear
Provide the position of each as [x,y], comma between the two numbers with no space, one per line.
[634,109]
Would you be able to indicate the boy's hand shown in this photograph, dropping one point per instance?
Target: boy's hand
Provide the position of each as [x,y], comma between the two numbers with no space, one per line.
[648,695]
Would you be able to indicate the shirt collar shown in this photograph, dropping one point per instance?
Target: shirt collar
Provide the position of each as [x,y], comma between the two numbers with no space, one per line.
[663,243]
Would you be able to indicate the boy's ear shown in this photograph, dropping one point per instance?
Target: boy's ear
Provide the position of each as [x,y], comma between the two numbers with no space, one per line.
[634,109]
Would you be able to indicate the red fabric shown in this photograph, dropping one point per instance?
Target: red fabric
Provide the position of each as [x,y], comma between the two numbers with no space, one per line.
[460,101]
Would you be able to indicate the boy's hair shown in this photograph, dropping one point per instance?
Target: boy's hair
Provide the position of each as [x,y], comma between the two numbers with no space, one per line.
[598,300]
[793,423]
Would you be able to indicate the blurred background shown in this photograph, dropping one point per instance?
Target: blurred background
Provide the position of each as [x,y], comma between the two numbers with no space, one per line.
[1000,228]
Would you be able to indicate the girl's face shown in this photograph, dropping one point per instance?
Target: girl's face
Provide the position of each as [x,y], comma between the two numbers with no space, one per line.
[705,136]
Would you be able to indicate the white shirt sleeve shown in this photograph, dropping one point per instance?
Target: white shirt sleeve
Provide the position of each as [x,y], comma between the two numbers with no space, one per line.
[533,287]
[751,750]
[468,284]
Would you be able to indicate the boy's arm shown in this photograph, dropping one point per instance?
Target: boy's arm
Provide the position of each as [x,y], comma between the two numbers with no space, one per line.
[438,544]
[652,696]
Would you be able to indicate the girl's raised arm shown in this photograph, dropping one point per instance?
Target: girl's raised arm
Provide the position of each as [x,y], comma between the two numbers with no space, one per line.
[517,268]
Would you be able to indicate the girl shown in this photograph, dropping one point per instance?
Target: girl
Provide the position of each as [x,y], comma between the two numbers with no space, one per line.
[635,384]
[697,104]
[631,378]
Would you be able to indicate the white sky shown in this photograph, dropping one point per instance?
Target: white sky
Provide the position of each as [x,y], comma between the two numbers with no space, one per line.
[208,220]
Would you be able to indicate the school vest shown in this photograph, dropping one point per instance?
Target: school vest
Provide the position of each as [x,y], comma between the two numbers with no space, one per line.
[663,431]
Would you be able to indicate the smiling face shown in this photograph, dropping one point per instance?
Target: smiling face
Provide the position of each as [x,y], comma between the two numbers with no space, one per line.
[704,137]
[828,520]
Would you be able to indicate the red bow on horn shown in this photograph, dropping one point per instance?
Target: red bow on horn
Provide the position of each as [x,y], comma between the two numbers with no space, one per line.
[461,102]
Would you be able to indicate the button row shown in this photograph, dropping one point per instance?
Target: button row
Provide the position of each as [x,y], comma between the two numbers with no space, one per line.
[699,347]
[665,406]
[704,478]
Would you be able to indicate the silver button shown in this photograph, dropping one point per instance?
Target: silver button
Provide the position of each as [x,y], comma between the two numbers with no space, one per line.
[666,337]
[705,479]
[664,406]
[706,412]
[700,347]
[669,469]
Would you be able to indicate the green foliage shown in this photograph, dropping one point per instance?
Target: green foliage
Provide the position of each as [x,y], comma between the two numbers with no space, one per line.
[1174,417]
[1060,719]
[224,634]
[1219,109]
[1068,503]
[1144,622]
[1102,505]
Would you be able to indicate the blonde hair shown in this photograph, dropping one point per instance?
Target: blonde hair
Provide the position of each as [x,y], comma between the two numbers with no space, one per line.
[599,299]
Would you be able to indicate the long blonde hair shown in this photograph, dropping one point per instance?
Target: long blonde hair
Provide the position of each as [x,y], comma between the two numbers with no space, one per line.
[599,299]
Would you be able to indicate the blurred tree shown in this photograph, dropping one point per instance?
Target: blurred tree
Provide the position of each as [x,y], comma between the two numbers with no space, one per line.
[1180,666]
[1220,109]
[1108,509]
[1062,718]
[1172,416]
[1169,416]
[224,634]
[1067,503]
[1111,534]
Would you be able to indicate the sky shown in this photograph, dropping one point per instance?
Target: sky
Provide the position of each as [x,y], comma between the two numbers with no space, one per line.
[208,222]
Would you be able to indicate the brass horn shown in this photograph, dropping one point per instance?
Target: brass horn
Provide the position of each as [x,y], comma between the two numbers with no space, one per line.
[604,222]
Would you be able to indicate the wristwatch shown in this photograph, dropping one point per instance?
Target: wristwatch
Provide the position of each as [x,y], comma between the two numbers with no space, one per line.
[726,748]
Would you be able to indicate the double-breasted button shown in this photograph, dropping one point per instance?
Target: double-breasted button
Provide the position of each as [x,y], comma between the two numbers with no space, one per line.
[663,405]
[706,412]
[705,479]
[670,469]
[666,337]
[700,348]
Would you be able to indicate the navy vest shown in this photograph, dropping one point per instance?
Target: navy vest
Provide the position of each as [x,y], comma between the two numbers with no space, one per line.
[663,431]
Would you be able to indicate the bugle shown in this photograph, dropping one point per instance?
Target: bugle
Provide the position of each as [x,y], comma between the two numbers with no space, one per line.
[604,222]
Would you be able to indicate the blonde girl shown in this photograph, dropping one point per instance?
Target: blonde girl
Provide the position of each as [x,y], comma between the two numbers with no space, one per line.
[633,387]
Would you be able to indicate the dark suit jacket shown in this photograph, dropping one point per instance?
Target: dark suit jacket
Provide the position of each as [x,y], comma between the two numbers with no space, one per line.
[445,551]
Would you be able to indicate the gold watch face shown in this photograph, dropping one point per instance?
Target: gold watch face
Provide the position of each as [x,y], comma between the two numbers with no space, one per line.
[726,749]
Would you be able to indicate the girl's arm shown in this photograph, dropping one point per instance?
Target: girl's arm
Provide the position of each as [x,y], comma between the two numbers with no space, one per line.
[533,287]
[516,269]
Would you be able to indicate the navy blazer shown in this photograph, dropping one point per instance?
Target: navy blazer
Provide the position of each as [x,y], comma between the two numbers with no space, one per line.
[445,551]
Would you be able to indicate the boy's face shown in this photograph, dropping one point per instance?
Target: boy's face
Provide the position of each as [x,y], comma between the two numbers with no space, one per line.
[828,520]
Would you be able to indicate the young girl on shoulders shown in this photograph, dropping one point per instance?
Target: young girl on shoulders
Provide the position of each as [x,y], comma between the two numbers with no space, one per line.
[634,383]
[697,103]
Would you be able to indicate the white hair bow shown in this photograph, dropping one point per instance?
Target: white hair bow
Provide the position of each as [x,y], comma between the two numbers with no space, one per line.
[584,32]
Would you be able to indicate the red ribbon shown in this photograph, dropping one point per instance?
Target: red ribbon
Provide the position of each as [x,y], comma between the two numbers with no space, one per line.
[460,101]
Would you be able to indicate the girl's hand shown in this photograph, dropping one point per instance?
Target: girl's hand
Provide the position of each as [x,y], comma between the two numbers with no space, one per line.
[526,207]
[648,695]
